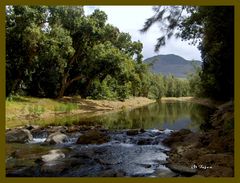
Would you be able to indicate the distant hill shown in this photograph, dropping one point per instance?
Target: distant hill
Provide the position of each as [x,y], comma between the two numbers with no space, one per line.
[171,64]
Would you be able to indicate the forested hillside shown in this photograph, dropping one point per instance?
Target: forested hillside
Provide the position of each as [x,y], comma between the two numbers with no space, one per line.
[172,64]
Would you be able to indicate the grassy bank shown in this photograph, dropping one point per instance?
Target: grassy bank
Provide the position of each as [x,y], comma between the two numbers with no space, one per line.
[24,110]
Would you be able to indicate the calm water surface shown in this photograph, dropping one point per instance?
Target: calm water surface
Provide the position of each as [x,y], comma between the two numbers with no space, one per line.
[174,116]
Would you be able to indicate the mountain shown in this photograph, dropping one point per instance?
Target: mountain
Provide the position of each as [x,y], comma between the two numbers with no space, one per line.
[171,64]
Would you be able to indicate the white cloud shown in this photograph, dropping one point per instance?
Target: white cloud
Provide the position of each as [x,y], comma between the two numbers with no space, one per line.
[131,19]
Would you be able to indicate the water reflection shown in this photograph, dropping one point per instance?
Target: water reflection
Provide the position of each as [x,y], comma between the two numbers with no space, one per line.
[174,116]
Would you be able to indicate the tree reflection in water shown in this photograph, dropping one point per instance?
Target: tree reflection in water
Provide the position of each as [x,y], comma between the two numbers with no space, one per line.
[175,115]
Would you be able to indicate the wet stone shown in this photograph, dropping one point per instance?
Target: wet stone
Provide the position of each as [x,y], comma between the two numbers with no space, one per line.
[165,173]
[18,136]
[119,155]
[145,141]
[53,168]
[93,137]
[56,138]
[132,132]
[53,155]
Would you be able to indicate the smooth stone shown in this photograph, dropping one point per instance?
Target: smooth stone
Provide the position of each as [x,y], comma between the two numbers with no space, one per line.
[182,169]
[54,155]
[164,173]
[18,136]
[56,138]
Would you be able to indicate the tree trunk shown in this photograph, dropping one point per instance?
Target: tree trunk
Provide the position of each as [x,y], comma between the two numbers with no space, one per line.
[62,90]
[63,86]
[66,83]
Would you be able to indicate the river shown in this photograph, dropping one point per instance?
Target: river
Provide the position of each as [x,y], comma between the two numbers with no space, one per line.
[124,155]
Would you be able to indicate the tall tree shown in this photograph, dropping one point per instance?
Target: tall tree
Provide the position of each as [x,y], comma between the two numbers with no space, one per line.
[212,28]
[24,31]
[57,50]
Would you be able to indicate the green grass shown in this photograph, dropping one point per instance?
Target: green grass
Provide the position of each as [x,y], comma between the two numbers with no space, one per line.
[66,107]
[24,110]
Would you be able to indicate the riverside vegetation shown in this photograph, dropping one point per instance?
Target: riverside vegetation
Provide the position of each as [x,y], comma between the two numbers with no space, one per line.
[60,62]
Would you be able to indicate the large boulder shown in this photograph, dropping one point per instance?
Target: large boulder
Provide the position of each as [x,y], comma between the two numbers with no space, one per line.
[56,138]
[18,136]
[93,137]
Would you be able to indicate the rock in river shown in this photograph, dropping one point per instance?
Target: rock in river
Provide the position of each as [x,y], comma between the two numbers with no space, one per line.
[54,155]
[53,163]
[56,138]
[183,170]
[132,132]
[19,136]
[93,137]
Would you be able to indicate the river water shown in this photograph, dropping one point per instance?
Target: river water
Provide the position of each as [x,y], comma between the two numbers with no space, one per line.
[140,155]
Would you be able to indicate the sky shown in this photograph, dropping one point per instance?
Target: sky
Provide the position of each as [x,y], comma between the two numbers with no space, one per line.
[131,19]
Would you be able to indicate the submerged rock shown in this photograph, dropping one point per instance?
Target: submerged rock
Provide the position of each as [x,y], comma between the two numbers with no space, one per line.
[53,169]
[93,137]
[145,141]
[53,163]
[54,155]
[18,136]
[56,138]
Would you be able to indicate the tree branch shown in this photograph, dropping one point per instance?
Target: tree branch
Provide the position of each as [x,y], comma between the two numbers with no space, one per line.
[75,79]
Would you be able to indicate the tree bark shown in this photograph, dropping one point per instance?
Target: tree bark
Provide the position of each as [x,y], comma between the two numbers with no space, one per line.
[65,84]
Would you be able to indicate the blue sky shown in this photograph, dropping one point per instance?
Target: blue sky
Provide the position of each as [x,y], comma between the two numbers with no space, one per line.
[131,19]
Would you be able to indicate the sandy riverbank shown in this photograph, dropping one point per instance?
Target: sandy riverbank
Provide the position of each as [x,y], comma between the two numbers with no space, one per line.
[26,109]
